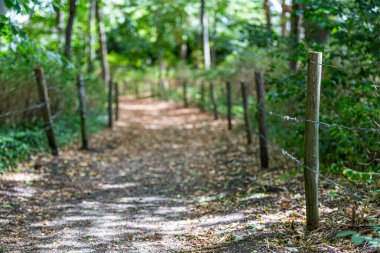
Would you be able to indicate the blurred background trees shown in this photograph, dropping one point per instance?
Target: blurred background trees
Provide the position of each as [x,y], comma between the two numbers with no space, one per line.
[152,46]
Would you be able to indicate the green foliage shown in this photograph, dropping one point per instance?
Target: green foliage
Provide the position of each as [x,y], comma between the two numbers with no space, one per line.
[358,238]
[12,152]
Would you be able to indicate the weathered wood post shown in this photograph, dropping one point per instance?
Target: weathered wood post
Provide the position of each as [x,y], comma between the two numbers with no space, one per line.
[185,100]
[311,170]
[46,114]
[229,105]
[247,120]
[110,104]
[116,100]
[82,111]
[259,77]
[203,98]
[137,91]
[213,101]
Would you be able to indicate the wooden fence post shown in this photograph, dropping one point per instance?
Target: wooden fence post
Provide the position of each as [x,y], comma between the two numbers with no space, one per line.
[185,101]
[110,104]
[116,100]
[262,119]
[213,101]
[247,120]
[311,170]
[43,94]
[229,105]
[137,91]
[203,99]
[82,111]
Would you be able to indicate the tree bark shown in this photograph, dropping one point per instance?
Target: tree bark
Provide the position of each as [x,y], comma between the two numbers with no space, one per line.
[296,24]
[213,37]
[103,45]
[283,19]
[206,42]
[2,8]
[90,42]
[69,28]
[268,15]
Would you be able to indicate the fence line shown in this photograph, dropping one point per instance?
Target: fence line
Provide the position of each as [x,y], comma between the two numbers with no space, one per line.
[302,164]
[328,125]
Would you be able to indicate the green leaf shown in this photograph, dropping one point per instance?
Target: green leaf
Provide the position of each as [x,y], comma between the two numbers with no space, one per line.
[345,233]
[359,239]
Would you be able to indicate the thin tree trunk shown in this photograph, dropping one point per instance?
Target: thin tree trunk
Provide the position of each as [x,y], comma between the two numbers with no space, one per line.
[2,8]
[103,45]
[206,42]
[296,24]
[268,15]
[58,19]
[69,28]
[213,48]
[283,19]
[90,42]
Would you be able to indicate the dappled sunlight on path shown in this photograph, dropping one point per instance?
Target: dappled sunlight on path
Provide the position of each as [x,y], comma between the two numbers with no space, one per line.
[165,179]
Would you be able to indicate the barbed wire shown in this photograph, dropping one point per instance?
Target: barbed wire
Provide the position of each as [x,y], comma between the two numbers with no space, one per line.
[31,108]
[302,164]
[325,124]
[341,68]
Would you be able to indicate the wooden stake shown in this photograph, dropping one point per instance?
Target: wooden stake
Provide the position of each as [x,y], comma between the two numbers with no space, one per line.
[213,101]
[137,92]
[185,101]
[311,169]
[82,111]
[44,98]
[110,104]
[229,105]
[116,101]
[262,119]
[247,120]
[203,98]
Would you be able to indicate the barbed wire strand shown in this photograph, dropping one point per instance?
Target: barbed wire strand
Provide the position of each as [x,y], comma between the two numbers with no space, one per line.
[325,124]
[302,164]
[31,108]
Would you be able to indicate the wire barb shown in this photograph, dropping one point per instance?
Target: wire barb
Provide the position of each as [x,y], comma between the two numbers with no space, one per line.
[328,125]
[302,164]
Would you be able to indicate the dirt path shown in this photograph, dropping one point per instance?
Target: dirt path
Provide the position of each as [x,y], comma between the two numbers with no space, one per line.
[166,179]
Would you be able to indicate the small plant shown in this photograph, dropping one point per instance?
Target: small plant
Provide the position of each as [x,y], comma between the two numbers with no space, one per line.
[358,238]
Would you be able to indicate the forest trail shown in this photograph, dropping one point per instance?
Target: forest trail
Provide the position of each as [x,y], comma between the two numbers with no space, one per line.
[166,179]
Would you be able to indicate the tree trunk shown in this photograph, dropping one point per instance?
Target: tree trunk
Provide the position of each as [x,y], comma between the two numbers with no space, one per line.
[69,28]
[296,24]
[103,45]
[90,42]
[2,8]
[58,19]
[213,48]
[268,15]
[206,42]
[283,19]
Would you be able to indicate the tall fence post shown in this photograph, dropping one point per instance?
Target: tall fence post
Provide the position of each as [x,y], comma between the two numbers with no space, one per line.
[185,100]
[213,101]
[110,104]
[259,77]
[202,104]
[43,94]
[116,100]
[311,170]
[229,105]
[247,120]
[82,112]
